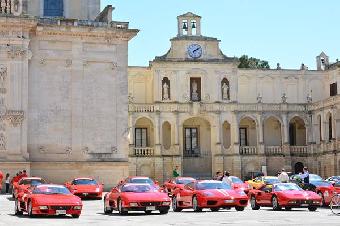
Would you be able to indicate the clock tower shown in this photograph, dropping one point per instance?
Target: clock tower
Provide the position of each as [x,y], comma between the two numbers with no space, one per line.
[190,45]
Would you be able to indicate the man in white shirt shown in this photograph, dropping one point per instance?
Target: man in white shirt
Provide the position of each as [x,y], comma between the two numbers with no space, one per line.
[283,177]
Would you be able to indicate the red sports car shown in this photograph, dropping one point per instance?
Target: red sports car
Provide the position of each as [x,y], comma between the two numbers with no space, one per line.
[85,188]
[24,184]
[287,195]
[48,199]
[237,183]
[208,194]
[178,182]
[136,197]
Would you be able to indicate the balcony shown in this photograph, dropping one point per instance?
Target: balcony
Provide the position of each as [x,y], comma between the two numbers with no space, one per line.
[248,150]
[273,150]
[301,151]
[142,152]
[11,7]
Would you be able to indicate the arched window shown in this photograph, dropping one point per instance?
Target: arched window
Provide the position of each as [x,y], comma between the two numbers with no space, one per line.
[330,128]
[166,89]
[54,8]
[225,89]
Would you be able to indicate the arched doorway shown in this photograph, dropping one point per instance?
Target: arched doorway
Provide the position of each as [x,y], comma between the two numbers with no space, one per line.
[298,167]
[247,132]
[166,133]
[196,144]
[297,132]
[272,132]
[226,135]
[144,133]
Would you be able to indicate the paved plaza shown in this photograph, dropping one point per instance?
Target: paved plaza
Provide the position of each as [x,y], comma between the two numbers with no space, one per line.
[93,215]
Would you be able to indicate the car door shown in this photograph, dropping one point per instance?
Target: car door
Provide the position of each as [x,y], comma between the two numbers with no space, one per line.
[266,192]
[186,194]
[114,195]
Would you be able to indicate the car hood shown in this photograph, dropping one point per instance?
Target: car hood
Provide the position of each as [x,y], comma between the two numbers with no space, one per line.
[147,196]
[300,194]
[56,199]
[222,193]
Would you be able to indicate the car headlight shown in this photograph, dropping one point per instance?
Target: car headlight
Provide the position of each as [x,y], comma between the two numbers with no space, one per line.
[97,189]
[166,203]
[208,194]
[292,202]
[316,202]
[77,207]
[43,207]
[133,204]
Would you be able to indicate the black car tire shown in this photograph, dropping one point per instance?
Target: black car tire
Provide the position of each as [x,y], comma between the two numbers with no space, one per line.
[275,203]
[239,208]
[312,208]
[175,207]
[253,203]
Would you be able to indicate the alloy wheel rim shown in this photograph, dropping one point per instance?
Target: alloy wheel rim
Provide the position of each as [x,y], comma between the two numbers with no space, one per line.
[195,203]
[174,203]
[274,202]
[252,202]
[120,206]
[16,206]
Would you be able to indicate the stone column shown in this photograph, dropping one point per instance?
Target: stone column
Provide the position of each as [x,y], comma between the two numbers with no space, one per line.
[260,144]
[235,134]
[157,134]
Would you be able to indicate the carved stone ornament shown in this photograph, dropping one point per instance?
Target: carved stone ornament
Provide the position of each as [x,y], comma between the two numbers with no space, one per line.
[15,117]
[207,97]
[68,63]
[42,149]
[14,51]
[42,61]
[259,98]
[3,73]
[68,150]
[85,150]
[284,98]
[186,97]
[114,149]
[2,142]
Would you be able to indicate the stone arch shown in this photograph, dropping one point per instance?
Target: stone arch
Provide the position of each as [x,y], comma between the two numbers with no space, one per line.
[166,135]
[272,132]
[329,126]
[297,132]
[144,132]
[226,134]
[143,116]
[247,131]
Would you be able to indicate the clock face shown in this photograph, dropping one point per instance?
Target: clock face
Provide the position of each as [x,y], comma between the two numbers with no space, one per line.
[195,51]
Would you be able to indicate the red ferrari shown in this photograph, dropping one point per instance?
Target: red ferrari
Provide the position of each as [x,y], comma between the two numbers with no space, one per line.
[24,184]
[136,197]
[287,195]
[85,188]
[208,194]
[237,183]
[179,182]
[48,199]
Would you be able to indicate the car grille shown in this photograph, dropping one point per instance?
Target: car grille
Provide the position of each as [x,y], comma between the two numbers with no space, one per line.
[150,203]
[211,202]
[60,207]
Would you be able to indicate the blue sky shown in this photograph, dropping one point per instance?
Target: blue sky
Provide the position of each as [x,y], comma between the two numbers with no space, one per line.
[285,31]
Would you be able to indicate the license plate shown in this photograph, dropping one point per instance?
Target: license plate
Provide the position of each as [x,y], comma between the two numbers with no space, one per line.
[60,212]
[150,208]
[228,201]
[85,194]
[304,205]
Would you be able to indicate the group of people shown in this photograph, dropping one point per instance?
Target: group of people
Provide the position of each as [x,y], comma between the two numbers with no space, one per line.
[284,177]
[9,181]
[223,176]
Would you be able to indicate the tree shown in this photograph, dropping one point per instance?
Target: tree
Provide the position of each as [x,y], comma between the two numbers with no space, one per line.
[253,63]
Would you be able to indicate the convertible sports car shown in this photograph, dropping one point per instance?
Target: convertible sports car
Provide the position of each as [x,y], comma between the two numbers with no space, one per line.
[208,194]
[258,182]
[333,179]
[136,197]
[85,188]
[323,188]
[237,183]
[337,187]
[178,182]
[48,199]
[24,184]
[287,195]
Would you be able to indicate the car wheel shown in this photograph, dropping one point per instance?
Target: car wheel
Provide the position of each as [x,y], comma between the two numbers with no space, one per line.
[16,208]
[148,212]
[322,198]
[239,208]
[288,208]
[120,208]
[195,205]
[253,203]
[312,208]
[275,203]
[175,207]
[75,215]
[215,209]
[13,196]
[164,211]
[29,209]
[107,210]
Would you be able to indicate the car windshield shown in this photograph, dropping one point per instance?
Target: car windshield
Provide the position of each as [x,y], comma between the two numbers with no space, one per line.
[141,181]
[184,180]
[137,188]
[51,190]
[314,177]
[287,187]
[212,185]
[33,182]
[236,180]
[84,182]
[271,180]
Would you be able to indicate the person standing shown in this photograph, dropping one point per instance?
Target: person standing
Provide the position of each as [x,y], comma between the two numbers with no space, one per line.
[1,177]
[175,172]
[8,182]
[226,178]
[218,176]
[283,176]
[305,175]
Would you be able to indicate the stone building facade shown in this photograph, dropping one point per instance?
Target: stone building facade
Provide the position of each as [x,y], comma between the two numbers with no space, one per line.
[63,90]
[193,107]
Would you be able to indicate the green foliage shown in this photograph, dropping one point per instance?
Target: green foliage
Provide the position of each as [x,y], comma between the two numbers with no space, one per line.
[253,63]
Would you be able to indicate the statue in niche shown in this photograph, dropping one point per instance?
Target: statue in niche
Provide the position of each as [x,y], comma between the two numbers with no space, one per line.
[284,98]
[165,91]
[194,94]
[225,91]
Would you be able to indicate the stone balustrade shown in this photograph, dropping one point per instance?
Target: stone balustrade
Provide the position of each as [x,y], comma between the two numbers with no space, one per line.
[248,150]
[11,7]
[143,152]
[299,150]
[273,150]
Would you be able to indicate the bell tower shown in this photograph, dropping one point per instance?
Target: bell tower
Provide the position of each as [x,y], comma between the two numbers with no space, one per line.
[189,24]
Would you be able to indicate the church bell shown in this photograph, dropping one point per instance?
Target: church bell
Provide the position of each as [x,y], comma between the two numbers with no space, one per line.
[185,26]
